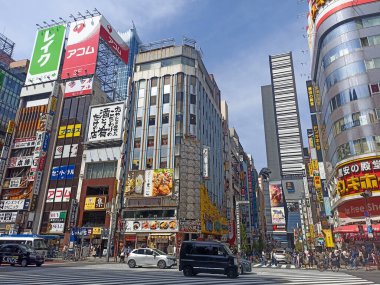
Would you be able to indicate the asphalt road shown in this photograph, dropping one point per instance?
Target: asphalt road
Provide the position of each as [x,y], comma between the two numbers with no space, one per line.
[107,274]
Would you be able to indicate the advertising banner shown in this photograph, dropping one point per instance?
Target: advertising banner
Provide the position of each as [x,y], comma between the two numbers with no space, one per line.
[82,48]
[11,205]
[78,87]
[113,40]
[205,155]
[24,142]
[328,238]
[310,95]
[289,185]
[15,182]
[357,176]
[64,151]
[161,183]
[355,209]
[317,140]
[95,203]
[46,56]
[57,228]
[151,226]
[69,131]
[275,194]
[20,161]
[8,217]
[135,183]
[278,216]
[57,216]
[62,172]
[106,123]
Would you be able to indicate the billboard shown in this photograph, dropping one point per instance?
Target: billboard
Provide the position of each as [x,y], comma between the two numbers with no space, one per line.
[24,142]
[357,176]
[58,195]
[65,151]
[278,215]
[355,209]
[83,44]
[82,48]
[275,194]
[78,87]
[63,172]
[106,123]
[95,203]
[317,141]
[57,221]
[69,131]
[8,217]
[150,183]
[46,56]
[9,205]
[151,226]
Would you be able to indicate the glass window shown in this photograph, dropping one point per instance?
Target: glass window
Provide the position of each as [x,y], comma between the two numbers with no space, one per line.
[167,80]
[166,98]
[137,143]
[164,140]
[193,99]
[154,82]
[165,118]
[343,73]
[135,164]
[192,119]
[153,100]
[152,121]
[151,142]
[139,122]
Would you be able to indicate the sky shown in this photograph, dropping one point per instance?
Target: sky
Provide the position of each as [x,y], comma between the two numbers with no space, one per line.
[235,36]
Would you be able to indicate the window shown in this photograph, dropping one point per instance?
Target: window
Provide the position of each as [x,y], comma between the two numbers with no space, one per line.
[148,252]
[135,164]
[152,121]
[101,169]
[153,100]
[374,88]
[192,119]
[167,80]
[193,99]
[166,98]
[137,143]
[151,142]
[139,122]
[164,140]
[165,118]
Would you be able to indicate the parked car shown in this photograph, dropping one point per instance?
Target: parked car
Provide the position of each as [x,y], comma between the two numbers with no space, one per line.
[207,257]
[245,265]
[19,254]
[150,257]
[281,256]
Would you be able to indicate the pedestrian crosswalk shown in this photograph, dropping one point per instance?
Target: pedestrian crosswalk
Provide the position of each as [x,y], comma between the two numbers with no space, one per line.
[280,266]
[107,274]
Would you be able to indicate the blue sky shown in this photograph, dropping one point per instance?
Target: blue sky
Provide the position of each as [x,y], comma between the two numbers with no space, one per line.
[236,37]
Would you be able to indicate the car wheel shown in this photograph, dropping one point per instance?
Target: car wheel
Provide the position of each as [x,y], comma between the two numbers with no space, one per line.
[132,263]
[188,271]
[161,264]
[24,263]
[38,264]
[231,273]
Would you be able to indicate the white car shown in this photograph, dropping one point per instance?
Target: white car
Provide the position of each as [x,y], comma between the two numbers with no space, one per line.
[150,257]
[281,256]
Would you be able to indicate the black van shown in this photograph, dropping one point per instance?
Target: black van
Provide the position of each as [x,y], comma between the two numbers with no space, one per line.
[19,254]
[207,257]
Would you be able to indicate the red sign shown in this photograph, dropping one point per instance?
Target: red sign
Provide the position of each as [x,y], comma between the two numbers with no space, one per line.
[78,87]
[358,176]
[82,48]
[356,208]
[113,40]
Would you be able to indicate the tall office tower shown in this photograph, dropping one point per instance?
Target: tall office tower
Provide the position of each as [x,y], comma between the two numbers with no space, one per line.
[344,43]
[284,147]
[176,158]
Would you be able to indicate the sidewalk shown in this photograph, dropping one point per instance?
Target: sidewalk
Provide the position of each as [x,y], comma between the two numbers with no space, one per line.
[89,260]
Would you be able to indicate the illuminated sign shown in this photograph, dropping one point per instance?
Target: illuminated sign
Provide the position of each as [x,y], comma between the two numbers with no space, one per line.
[358,176]
[317,141]
[310,95]
[95,203]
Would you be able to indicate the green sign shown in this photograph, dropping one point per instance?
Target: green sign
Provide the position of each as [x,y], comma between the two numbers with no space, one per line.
[46,55]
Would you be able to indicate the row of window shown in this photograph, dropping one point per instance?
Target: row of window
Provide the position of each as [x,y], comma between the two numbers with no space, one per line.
[165,62]
[101,170]
[350,26]
[357,147]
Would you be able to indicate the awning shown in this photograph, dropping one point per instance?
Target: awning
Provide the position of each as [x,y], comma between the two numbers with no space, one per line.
[347,229]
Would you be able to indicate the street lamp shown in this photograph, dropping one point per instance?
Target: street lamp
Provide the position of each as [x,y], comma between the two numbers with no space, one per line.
[367,194]
[238,222]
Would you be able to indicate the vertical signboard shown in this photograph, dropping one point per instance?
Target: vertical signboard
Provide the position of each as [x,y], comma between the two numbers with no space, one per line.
[82,48]
[317,140]
[205,154]
[106,123]
[310,95]
[46,55]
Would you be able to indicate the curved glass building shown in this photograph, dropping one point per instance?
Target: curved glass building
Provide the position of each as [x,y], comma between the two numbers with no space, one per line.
[344,39]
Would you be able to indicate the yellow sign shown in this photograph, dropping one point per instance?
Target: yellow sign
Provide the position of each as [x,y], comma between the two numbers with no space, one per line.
[96,231]
[311,96]
[315,164]
[95,203]
[310,169]
[212,222]
[328,238]
[11,127]
[69,131]
[311,230]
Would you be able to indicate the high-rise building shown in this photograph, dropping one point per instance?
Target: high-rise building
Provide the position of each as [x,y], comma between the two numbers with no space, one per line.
[284,149]
[343,37]
[176,180]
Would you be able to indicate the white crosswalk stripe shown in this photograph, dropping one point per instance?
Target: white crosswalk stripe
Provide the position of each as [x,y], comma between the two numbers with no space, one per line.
[107,274]
[282,266]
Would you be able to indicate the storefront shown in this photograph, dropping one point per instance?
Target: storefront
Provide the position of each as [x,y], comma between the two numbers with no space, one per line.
[160,234]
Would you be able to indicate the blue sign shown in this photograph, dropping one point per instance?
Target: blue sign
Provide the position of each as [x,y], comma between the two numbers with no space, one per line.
[62,172]
[45,143]
[289,185]
[54,173]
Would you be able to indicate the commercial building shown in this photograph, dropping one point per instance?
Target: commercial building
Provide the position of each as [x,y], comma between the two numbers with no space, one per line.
[343,37]
[176,178]
[284,149]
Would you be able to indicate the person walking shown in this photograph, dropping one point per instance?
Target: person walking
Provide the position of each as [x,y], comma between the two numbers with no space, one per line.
[263,258]
[123,253]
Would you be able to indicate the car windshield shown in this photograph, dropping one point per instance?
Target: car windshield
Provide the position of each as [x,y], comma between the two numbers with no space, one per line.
[39,244]
[159,252]
[228,250]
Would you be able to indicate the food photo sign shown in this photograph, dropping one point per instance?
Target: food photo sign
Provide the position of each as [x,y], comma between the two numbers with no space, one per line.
[151,226]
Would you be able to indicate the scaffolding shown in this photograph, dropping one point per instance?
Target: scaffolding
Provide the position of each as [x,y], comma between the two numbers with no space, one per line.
[6,45]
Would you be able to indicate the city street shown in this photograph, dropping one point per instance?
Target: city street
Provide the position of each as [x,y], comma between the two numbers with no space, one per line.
[102,274]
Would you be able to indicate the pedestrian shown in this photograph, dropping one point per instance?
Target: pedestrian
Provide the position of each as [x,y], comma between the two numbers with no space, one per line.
[263,258]
[274,258]
[123,253]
